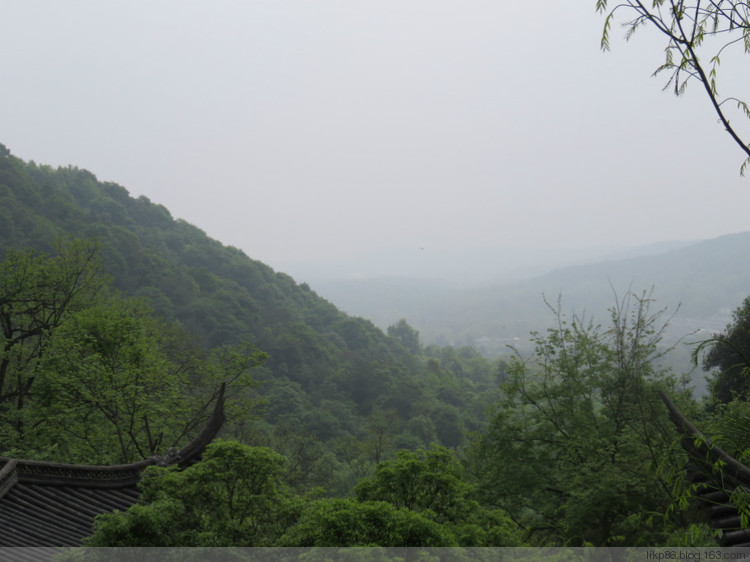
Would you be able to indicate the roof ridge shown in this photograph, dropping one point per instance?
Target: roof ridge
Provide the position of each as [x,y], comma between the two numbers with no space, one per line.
[8,476]
[109,476]
[739,472]
[192,450]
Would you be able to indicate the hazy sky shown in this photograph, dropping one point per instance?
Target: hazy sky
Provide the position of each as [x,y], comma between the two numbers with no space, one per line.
[305,129]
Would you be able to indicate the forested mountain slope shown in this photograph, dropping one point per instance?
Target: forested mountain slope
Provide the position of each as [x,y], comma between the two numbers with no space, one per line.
[330,378]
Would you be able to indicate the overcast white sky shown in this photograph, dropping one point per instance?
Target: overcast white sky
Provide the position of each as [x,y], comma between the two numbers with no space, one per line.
[306,129]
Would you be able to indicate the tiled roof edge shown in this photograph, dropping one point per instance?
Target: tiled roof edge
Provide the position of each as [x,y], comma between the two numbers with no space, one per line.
[58,474]
[711,452]
[113,476]
[8,476]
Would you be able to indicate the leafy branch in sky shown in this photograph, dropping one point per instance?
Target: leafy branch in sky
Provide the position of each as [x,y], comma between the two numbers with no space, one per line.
[699,33]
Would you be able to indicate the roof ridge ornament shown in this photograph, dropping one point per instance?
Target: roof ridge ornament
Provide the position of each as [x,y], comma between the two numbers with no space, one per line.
[169,458]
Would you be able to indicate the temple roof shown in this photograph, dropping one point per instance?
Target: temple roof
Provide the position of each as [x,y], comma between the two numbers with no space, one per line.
[716,474]
[54,504]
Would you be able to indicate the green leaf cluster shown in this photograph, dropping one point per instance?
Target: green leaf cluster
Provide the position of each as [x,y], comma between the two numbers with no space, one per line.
[575,445]
[236,497]
[432,483]
[727,358]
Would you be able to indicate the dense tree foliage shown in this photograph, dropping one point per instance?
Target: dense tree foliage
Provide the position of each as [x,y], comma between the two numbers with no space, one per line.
[95,377]
[104,369]
[405,335]
[233,497]
[575,445]
[36,296]
[236,496]
[728,357]
[432,483]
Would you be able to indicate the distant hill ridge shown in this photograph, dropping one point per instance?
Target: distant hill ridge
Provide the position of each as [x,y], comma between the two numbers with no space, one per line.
[707,279]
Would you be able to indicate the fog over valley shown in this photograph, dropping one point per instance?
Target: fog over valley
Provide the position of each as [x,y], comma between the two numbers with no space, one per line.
[450,306]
